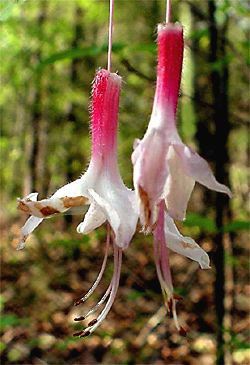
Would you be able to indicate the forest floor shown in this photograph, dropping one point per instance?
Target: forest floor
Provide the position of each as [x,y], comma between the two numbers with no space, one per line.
[39,286]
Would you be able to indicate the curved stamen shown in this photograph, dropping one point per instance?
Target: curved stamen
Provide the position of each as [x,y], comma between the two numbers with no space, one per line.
[177,325]
[101,301]
[115,285]
[100,275]
[163,268]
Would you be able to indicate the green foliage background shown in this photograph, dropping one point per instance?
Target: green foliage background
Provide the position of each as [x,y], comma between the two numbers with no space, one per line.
[49,53]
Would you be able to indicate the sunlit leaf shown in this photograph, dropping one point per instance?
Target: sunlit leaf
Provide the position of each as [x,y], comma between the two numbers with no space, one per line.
[92,51]
[11,320]
[204,223]
[72,53]
[7,7]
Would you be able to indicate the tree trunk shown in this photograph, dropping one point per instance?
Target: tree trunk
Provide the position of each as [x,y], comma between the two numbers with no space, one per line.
[219,81]
[71,116]
[35,164]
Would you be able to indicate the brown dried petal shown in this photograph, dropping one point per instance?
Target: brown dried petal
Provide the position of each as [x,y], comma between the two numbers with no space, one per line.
[146,206]
[22,206]
[76,201]
[47,211]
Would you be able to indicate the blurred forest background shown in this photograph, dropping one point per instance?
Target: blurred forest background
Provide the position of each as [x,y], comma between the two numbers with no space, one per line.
[50,51]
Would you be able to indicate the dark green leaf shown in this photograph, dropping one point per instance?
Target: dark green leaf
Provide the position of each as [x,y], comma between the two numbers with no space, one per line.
[236,226]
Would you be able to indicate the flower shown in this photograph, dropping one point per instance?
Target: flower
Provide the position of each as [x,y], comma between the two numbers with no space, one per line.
[101,187]
[164,167]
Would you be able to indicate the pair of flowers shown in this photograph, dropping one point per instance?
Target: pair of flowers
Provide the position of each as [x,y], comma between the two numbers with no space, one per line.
[165,171]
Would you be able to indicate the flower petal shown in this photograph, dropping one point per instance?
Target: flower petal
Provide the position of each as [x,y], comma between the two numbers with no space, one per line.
[178,188]
[117,205]
[150,172]
[94,218]
[110,214]
[185,246]
[70,196]
[197,168]
[29,226]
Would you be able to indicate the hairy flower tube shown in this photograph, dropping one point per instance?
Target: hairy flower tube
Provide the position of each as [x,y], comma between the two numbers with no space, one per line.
[100,186]
[164,167]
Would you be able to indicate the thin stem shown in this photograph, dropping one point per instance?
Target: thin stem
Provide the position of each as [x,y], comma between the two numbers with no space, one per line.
[168,11]
[111,12]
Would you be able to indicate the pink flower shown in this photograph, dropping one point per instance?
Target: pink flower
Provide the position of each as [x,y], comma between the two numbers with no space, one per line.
[164,167]
[101,187]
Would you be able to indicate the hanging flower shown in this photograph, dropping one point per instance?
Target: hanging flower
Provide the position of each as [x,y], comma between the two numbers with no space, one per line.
[164,167]
[101,187]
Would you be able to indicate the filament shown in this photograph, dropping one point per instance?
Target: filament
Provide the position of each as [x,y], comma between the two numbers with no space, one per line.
[101,301]
[115,285]
[100,275]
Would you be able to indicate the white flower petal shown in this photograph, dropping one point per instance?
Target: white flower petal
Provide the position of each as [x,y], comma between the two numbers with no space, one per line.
[150,172]
[32,196]
[29,226]
[197,168]
[109,212]
[178,188]
[185,246]
[70,196]
[76,188]
[94,218]
[117,203]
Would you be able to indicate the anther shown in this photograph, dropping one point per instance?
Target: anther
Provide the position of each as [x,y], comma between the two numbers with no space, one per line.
[182,331]
[177,297]
[91,323]
[170,306]
[78,301]
[78,333]
[79,318]
[85,334]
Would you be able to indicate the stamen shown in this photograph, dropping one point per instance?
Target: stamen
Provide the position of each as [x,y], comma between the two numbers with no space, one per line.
[100,275]
[101,301]
[177,325]
[115,285]
[182,331]
[177,297]
[85,334]
[170,306]
[163,268]
[77,319]
[78,333]
[111,292]
[91,323]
